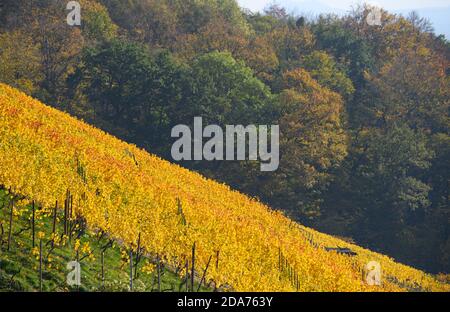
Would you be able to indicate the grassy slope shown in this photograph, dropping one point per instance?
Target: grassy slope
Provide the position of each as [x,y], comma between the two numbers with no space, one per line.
[248,233]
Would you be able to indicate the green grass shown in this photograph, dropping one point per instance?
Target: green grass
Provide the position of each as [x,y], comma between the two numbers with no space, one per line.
[19,267]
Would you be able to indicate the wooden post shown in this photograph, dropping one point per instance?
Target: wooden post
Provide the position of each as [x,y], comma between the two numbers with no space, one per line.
[204,274]
[10,224]
[103,269]
[54,223]
[159,272]
[217,259]
[131,269]
[138,256]
[40,265]
[69,222]
[33,223]
[193,268]
[55,211]
[65,216]
[187,276]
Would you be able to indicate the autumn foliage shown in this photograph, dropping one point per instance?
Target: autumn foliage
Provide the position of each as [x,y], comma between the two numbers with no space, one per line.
[127,192]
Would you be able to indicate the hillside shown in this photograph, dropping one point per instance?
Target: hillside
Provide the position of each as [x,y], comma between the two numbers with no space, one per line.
[141,200]
[20,272]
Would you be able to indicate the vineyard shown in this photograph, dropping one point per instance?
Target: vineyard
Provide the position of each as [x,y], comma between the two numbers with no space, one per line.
[53,164]
[104,265]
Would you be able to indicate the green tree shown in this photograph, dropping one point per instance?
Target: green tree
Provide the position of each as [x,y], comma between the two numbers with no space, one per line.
[196,14]
[224,91]
[325,70]
[129,90]
[97,24]
[148,21]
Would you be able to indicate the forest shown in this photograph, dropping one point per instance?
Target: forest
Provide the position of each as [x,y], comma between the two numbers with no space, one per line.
[363,109]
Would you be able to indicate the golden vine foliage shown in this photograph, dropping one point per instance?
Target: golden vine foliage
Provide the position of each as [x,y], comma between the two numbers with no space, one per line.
[125,191]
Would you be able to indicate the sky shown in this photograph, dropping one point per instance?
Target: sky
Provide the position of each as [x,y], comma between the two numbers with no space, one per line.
[437,11]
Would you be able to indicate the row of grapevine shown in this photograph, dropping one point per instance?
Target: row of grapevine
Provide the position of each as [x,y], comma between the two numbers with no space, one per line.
[47,237]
